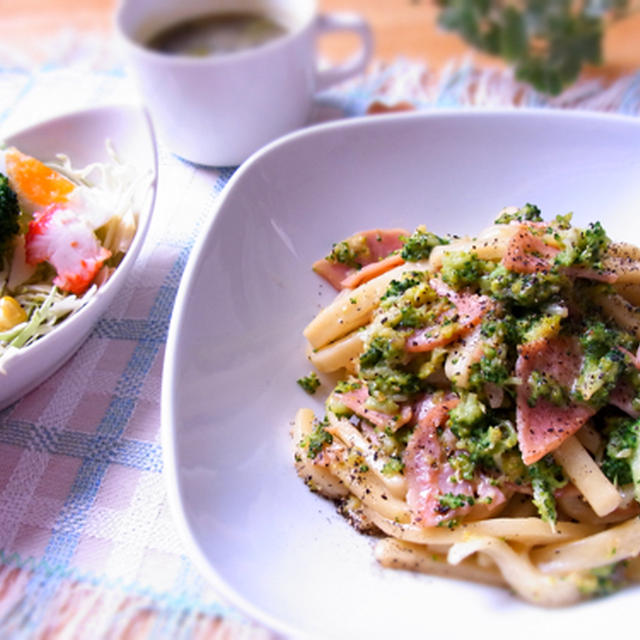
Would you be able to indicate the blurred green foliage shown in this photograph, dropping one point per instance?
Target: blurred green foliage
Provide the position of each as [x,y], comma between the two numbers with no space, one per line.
[546,41]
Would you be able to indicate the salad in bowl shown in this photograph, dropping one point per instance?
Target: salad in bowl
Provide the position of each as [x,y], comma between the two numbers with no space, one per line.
[68,228]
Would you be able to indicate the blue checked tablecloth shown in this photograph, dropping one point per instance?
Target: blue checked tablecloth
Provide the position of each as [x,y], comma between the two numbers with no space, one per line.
[86,539]
[87,546]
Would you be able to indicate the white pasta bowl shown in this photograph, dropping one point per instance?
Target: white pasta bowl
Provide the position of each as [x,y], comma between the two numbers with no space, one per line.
[235,349]
[82,136]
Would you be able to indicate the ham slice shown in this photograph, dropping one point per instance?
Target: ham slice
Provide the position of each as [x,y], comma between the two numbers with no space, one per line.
[430,476]
[633,358]
[372,247]
[356,400]
[591,274]
[467,312]
[333,272]
[622,397]
[545,426]
[371,271]
[528,253]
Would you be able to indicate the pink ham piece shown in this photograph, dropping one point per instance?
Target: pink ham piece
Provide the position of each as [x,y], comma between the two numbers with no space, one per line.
[59,236]
[371,271]
[591,274]
[633,358]
[544,427]
[467,312]
[430,476]
[622,397]
[380,243]
[528,253]
[356,400]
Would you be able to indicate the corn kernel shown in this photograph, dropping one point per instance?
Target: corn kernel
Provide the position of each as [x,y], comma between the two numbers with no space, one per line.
[11,313]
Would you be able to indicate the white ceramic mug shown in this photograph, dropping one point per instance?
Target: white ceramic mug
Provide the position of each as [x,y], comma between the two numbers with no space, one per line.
[217,110]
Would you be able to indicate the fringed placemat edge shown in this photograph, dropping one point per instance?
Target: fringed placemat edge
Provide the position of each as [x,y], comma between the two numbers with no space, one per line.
[64,606]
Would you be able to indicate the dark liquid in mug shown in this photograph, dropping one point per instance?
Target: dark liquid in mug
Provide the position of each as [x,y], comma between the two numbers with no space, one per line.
[216,34]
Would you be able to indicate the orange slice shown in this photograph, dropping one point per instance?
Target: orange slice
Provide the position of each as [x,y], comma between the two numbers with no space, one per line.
[34,181]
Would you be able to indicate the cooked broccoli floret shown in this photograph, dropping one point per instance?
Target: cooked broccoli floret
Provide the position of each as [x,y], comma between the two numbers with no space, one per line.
[418,246]
[587,249]
[461,269]
[9,214]
[309,383]
[397,287]
[315,441]
[522,289]
[393,466]
[528,213]
[350,252]
[468,413]
[546,476]
[543,385]
[603,362]
[621,461]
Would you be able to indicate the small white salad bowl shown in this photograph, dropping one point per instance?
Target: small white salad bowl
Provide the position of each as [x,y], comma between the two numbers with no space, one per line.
[82,135]
[235,350]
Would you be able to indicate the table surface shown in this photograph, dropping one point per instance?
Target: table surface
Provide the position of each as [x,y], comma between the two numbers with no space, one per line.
[402,28]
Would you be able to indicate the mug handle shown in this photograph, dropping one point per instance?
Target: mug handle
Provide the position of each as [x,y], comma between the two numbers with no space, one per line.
[344,21]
